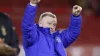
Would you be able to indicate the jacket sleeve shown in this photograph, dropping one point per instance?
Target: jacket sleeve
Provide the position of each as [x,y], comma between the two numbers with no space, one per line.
[70,34]
[29,29]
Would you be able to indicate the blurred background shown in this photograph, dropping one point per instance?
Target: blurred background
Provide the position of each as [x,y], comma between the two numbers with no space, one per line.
[88,43]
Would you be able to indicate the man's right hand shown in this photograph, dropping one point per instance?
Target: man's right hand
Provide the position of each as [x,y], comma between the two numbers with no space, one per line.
[34,1]
[1,41]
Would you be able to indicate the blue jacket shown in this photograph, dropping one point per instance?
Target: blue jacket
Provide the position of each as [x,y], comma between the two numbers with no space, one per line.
[38,41]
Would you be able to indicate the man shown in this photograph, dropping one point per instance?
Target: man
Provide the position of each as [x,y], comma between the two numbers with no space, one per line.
[42,39]
[7,32]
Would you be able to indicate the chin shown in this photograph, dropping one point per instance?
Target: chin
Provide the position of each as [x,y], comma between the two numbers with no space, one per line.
[52,32]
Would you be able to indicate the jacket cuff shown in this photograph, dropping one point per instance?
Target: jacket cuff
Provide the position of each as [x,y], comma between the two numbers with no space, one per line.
[75,16]
[32,4]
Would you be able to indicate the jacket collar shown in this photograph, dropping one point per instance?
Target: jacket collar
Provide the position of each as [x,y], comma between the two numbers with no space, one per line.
[47,30]
[56,33]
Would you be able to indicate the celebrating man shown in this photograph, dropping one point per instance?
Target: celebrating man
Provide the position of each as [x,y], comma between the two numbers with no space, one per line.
[41,39]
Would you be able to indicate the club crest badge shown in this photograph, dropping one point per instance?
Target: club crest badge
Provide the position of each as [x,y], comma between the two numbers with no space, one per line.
[58,39]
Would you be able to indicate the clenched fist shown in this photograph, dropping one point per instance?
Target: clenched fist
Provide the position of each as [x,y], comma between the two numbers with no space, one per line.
[76,10]
[34,1]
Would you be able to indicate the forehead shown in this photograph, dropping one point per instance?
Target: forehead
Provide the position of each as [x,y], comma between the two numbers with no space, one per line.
[49,19]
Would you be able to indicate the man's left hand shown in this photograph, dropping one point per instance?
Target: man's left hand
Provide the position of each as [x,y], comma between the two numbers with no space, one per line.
[76,10]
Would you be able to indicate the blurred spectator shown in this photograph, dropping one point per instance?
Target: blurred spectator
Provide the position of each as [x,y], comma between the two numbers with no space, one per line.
[6,50]
[98,8]
[7,32]
[87,4]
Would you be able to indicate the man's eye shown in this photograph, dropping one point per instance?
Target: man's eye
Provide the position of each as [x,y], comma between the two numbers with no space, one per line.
[54,24]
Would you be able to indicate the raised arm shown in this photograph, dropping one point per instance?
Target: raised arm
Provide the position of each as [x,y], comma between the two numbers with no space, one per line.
[29,29]
[72,32]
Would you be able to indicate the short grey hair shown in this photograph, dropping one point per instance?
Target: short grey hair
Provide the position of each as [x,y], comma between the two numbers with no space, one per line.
[47,14]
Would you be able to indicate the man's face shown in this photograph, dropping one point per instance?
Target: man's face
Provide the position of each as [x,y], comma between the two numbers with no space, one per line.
[48,22]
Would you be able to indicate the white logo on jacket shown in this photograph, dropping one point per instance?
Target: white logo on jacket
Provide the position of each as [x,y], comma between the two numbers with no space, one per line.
[58,39]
